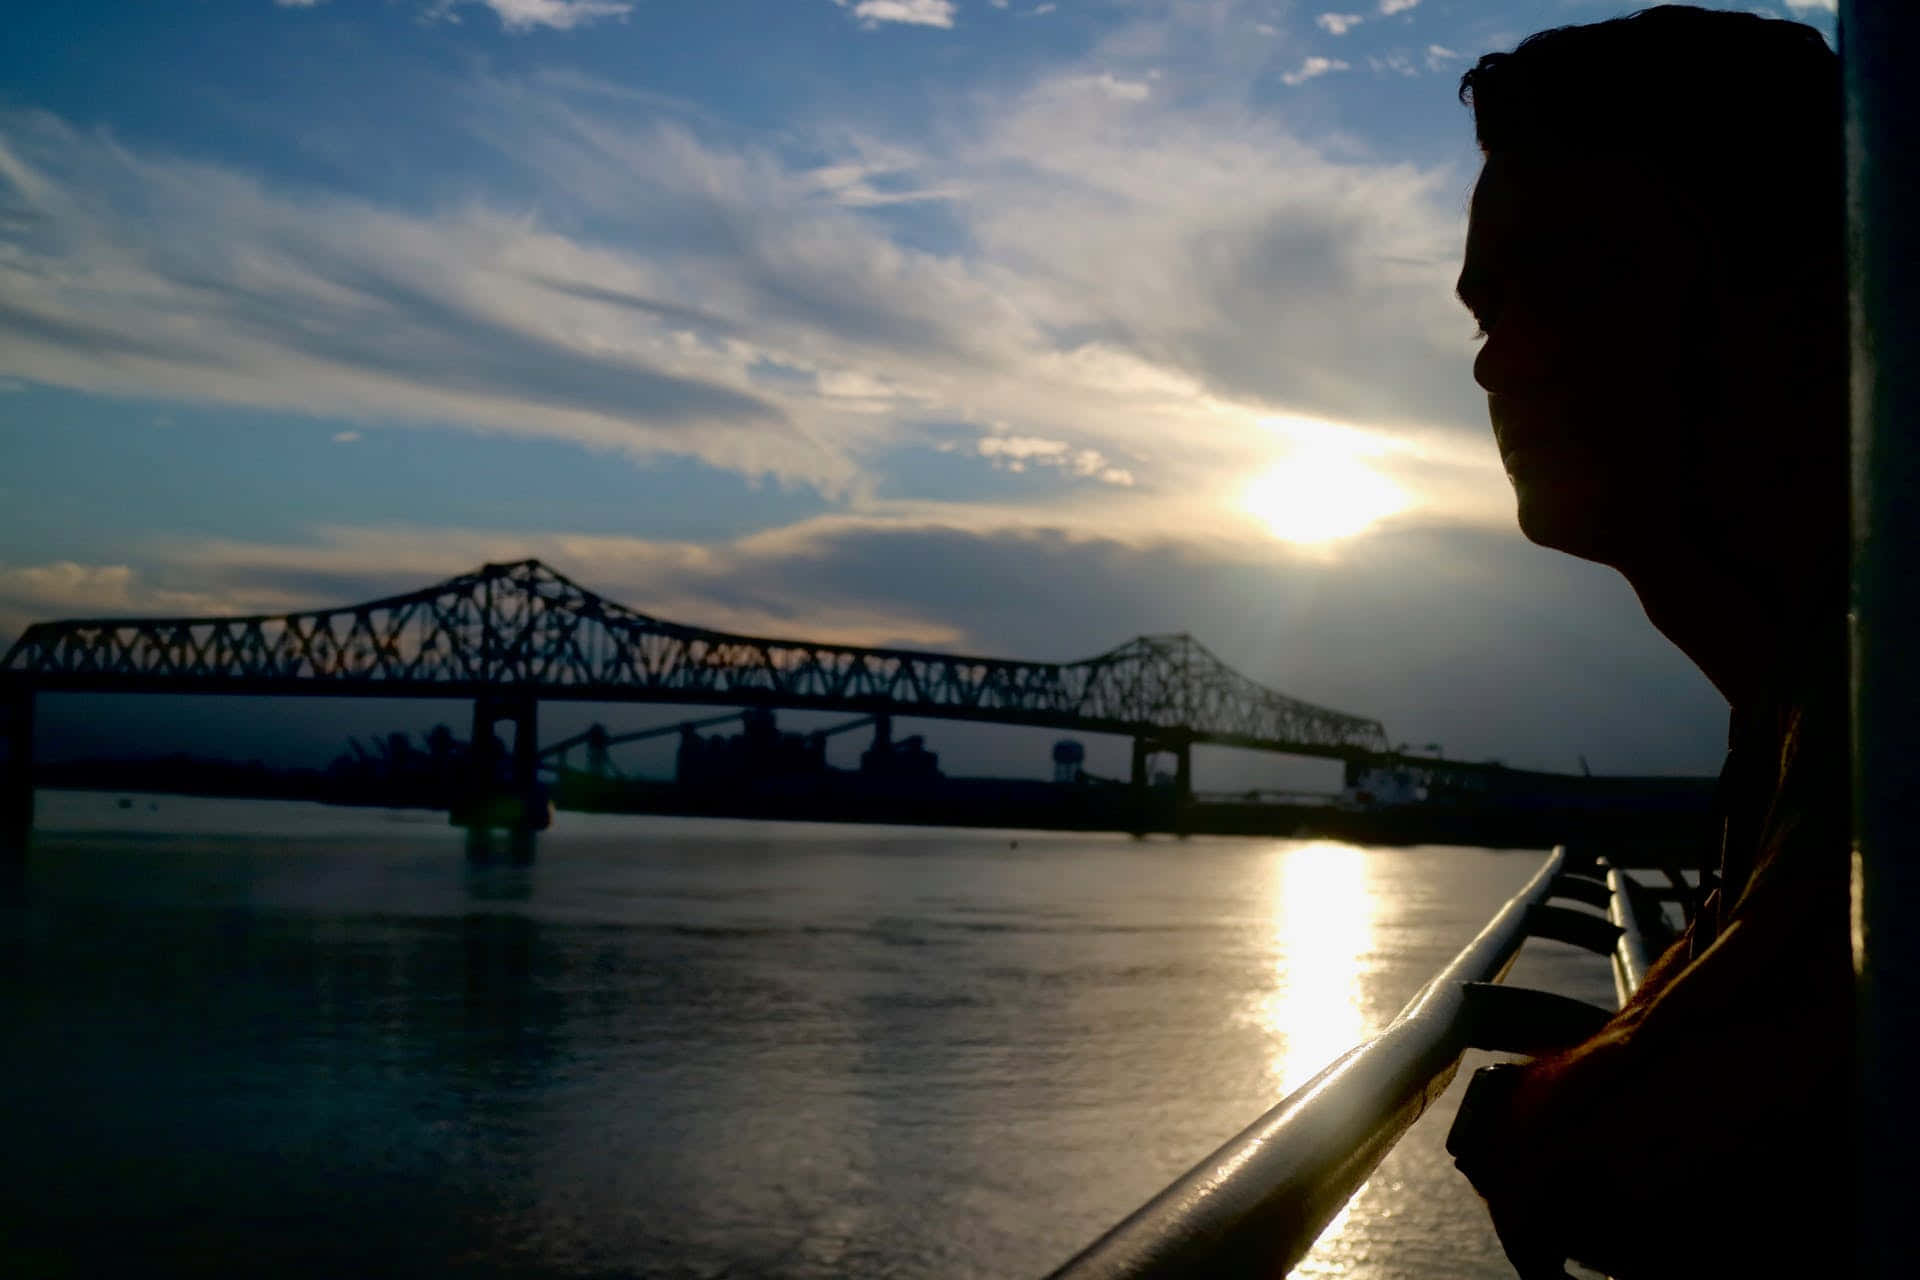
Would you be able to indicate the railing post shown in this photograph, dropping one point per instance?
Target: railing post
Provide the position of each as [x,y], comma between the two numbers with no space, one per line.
[1878,41]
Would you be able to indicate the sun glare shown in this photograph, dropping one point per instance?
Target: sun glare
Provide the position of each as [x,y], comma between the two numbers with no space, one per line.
[1319,495]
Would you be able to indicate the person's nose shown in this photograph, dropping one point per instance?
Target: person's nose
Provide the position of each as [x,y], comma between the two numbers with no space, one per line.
[1488,370]
[1512,356]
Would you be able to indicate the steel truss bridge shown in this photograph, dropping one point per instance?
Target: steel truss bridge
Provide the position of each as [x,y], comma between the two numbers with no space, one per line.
[511,635]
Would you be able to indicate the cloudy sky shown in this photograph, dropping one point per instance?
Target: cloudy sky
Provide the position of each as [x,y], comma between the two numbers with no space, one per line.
[1007,325]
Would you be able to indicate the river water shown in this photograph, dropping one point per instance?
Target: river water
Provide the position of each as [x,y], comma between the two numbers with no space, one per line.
[252,1037]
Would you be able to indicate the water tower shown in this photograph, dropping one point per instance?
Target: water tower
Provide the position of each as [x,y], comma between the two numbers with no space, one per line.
[1068,756]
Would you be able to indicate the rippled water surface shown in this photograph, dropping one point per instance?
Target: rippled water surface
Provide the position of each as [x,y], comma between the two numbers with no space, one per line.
[256,1038]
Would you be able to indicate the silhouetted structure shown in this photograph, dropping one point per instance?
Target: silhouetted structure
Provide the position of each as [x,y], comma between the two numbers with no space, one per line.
[509,635]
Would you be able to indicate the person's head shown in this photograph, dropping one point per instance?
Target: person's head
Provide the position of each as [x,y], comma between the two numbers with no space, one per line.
[1655,255]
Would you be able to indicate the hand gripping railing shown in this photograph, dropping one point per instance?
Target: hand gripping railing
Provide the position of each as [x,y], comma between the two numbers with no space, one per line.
[1255,1206]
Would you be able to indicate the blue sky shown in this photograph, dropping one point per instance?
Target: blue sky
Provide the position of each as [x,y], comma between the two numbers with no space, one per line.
[1019,327]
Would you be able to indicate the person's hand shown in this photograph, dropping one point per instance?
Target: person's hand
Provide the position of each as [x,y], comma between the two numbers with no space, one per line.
[1503,1140]
[1523,1232]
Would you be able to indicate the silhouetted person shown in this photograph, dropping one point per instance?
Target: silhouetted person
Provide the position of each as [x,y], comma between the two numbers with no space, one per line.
[1655,257]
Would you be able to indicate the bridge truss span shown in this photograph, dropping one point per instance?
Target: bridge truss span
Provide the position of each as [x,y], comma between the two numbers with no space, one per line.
[522,629]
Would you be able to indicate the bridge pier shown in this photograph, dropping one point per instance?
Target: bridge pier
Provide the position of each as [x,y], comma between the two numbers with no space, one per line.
[503,792]
[16,768]
[1137,789]
[1146,816]
[1182,786]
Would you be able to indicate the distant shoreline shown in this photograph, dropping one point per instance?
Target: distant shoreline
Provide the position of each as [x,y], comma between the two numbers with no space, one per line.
[1664,836]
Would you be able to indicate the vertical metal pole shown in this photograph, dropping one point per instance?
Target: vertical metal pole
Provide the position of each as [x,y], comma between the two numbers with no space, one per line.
[16,767]
[1879,40]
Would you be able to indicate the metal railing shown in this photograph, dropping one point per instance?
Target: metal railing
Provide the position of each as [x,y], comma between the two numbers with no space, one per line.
[1256,1205]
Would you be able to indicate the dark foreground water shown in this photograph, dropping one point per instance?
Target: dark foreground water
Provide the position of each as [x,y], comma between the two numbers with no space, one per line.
[255,1038]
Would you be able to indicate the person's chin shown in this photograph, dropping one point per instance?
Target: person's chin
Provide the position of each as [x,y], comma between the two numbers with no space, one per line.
[1555,521]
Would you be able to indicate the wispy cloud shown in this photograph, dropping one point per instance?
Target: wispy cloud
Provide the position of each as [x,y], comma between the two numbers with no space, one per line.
[63,588]
[919,13]
[1114,87]
[1390,7]
[1016,453]
[1312,68]
[1338,23]
[1152,285]
[532,15]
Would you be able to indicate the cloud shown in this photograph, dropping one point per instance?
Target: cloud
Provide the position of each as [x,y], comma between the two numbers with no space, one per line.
[1390,7]
[297,4]
[65,589]
[1114,87]
[1016,453]
[1312,67]
[1828,5]
[1020,448]
[337,307]
[876,186]
[1338,23]
[531,15]
[920,13]
[345,437]
[1438,56]
[1154,285]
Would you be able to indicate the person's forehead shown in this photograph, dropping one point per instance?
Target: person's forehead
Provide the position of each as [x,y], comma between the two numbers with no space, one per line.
[1522,205]
[1518,194]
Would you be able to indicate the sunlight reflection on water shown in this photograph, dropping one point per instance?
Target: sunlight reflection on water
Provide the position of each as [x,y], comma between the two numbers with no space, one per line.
[1323,915]
[1324,912]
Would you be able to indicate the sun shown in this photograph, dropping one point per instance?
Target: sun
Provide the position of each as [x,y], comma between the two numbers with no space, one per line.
[1317,495]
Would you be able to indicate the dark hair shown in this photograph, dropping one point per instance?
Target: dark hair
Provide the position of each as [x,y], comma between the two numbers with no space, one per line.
[1740,113]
